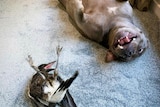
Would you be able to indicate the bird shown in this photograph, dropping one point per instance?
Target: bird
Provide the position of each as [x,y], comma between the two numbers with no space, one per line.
[49,89]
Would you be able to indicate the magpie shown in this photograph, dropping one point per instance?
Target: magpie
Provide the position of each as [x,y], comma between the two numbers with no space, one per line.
[49,89]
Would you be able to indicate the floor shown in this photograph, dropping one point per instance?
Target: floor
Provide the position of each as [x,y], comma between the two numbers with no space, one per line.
[36,27]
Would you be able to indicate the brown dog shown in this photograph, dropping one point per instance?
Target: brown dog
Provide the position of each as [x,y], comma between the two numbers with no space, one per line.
[109,22]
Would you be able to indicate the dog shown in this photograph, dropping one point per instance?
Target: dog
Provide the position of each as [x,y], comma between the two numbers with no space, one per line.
[108,22]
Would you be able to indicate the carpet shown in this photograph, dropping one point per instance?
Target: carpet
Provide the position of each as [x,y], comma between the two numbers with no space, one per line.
[36,27]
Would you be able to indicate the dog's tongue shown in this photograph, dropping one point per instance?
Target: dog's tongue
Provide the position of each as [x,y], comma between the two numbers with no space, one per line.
[124,40]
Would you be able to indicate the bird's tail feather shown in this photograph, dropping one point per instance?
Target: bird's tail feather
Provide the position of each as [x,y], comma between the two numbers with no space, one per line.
[68,101]
[65,84]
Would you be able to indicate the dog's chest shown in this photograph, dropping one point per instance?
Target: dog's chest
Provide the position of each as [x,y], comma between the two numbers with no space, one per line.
[117,9]
[108,8]
[112,10]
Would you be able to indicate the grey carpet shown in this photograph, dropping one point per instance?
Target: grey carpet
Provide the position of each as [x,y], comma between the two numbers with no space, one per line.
[36,27]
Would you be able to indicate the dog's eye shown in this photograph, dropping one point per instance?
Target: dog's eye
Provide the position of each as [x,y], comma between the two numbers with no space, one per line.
[140,31]
[140,50]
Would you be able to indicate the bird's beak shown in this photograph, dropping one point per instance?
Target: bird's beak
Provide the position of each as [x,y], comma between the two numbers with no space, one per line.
[49,65]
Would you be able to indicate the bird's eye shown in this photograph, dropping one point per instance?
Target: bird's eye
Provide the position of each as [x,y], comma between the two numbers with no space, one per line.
[140,50]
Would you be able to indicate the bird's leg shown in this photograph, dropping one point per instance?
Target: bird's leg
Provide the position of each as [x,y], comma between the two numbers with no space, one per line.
[30,61]
[55,75]
[58,50]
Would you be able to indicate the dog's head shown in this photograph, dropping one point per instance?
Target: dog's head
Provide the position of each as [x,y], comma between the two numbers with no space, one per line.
[126,43]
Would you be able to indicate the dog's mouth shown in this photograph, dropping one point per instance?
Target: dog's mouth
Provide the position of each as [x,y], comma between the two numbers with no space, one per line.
[123,39]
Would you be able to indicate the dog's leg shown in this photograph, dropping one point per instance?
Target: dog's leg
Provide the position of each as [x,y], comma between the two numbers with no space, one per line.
[63,2]
[75,9]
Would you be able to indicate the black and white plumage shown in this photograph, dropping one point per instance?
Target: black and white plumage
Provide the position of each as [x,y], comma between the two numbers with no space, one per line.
[48,90]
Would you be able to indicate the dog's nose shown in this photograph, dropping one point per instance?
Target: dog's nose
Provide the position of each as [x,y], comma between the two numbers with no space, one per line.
[131,50]
[129,53]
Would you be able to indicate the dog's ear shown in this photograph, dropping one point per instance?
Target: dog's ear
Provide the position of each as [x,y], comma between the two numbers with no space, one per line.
[109,56]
